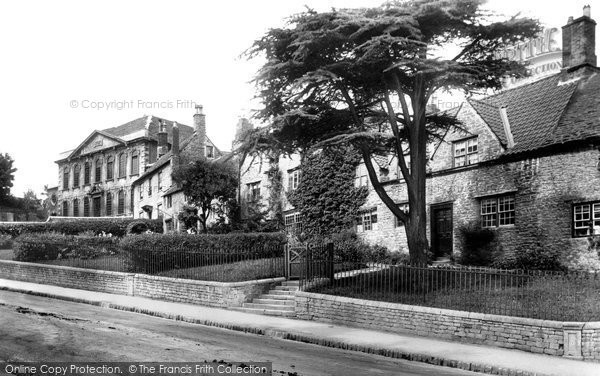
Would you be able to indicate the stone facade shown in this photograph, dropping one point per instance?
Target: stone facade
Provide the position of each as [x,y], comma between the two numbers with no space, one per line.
[524,164]
[95,179]
[156,194]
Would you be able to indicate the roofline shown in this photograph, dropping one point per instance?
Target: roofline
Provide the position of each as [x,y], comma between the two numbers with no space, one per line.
[155,166]
[483,119]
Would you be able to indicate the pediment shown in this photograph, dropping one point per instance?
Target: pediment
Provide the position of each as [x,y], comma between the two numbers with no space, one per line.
[97,141]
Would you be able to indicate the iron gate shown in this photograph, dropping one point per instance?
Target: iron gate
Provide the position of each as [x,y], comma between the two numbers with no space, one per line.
[308,262]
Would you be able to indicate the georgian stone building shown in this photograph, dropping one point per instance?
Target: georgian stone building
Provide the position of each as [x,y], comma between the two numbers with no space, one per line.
[526,166]
[156,195]
[95,178]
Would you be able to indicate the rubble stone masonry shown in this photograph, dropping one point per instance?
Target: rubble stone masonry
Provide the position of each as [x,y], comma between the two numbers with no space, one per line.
[537,336]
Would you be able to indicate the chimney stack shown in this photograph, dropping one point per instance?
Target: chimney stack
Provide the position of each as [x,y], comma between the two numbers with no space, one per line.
[175,146]
[200,126]
[579,41]
[163,147]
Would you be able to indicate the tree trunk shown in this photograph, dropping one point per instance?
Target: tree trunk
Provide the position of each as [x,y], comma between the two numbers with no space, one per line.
[416,236]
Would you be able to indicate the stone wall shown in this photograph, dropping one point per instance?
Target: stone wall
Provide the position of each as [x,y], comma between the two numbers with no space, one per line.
[545,189]
[214,294]
[537,336]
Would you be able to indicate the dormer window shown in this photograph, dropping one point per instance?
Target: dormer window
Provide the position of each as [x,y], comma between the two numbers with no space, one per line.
[466,152]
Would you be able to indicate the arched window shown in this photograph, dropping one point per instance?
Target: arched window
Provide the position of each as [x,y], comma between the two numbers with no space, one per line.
[65,209]
[110,167]
[109,199]
[135,163]
[98,171]
[122,165]
[86,173]
[121,203]
[76,172]
[66,178]
[75,208]
[86,207]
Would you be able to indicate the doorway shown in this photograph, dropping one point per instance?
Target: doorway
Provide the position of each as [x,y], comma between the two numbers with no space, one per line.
[441,230]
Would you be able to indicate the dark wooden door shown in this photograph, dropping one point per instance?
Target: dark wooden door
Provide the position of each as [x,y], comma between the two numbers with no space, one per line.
[96,202]
[441,230]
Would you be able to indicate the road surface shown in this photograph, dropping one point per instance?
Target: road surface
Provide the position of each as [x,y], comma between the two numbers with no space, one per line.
[40,329]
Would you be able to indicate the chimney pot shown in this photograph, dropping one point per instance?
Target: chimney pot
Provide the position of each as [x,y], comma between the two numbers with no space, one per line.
[579,41]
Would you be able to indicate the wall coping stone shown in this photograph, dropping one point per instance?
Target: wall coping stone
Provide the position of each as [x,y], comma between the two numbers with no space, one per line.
[153,277]
[62,267]
[211,283]
[454,313]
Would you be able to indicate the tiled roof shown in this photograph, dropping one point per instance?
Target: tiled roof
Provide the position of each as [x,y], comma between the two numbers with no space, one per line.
[581,120]
[189,152]
[533,110]
[125,131]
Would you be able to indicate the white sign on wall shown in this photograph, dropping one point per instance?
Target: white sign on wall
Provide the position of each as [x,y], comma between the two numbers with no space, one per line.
[542,54]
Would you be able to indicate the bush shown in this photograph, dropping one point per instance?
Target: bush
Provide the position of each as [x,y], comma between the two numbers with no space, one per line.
[478,245]
[530,258]
[5,242]
[153,252]
[348,247]
[115,226]
[52,246]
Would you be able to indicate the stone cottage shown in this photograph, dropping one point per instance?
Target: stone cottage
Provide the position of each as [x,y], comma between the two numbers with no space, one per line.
[156,195]
[526,166]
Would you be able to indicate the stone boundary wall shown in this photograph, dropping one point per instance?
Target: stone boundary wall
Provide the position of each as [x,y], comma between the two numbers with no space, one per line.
[214,294]
[568,339]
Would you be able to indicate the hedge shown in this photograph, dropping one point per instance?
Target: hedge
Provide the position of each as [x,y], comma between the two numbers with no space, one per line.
[115,226]
[52,246]
[151,253]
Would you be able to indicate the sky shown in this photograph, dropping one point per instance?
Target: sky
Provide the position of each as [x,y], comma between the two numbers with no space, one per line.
[71,67]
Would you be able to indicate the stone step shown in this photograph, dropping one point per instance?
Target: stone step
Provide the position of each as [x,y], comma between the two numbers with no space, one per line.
[291,283]
[277,296]
[275,307]
[287,288]
[280,292]
[261,300]
[269,312]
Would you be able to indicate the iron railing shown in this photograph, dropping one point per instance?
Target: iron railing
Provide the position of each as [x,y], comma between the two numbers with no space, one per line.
[548,295]
[232,265]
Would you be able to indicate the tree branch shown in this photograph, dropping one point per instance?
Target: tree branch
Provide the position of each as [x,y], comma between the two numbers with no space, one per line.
[395,130]
[383,195]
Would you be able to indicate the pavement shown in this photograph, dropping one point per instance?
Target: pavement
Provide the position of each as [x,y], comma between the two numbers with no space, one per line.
[478,358]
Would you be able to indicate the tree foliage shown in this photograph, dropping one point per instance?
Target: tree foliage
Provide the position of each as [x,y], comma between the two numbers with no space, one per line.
[326,196]
[210,187]
[6,175]
[364,77]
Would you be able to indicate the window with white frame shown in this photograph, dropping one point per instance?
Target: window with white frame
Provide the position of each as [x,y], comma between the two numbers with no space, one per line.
[586,219]
[465,152]
[367,220]
[293,179]
[498,211]
[362,177]
[404,207]
[169,199]
[253,191]
[293,223]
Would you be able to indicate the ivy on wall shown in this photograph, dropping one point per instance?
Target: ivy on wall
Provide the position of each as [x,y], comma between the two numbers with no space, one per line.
[326,196]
